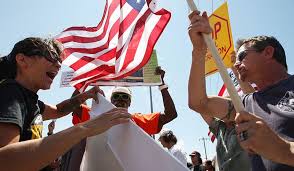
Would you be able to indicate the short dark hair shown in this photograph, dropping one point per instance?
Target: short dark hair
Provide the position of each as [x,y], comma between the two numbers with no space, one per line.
[261,42]
[208,162]
[168,136]
[27,46]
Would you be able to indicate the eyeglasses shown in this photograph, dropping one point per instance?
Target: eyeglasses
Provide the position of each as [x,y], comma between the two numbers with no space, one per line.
[50,56]
[243,54]
[122,96]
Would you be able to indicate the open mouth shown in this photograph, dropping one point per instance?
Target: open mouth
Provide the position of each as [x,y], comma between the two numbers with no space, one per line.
[120,104]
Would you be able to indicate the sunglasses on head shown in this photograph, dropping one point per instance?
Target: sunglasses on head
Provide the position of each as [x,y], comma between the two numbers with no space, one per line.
[122,96]
[50,56]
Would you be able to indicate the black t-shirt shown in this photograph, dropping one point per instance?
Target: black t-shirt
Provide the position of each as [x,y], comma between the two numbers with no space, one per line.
[21,106]
[275,105]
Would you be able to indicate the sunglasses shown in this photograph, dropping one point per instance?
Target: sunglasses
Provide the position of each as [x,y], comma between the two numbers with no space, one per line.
[50,56]
[122,96]
[244,53]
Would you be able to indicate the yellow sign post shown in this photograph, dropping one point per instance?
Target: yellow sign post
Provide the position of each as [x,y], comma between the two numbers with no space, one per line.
[222,37]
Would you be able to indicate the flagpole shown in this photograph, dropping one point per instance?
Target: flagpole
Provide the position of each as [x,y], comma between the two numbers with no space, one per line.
[222,70]
[211,6]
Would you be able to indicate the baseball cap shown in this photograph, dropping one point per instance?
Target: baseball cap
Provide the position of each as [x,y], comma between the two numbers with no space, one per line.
[195,153]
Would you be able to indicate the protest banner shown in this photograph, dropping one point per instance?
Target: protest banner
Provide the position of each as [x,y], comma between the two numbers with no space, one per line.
[143,77]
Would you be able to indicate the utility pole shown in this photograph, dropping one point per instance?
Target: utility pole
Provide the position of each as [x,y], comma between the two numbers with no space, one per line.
[151,102]
[151,105]
[203,140]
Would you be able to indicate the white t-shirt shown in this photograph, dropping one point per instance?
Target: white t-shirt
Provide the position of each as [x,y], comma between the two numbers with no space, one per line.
[179,154]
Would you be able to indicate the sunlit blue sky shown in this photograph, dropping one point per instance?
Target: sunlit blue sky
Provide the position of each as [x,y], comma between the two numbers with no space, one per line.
[20,19]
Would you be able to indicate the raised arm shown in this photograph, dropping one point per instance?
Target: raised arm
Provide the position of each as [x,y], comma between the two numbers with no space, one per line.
[213,106]
[36,154]
[170,112]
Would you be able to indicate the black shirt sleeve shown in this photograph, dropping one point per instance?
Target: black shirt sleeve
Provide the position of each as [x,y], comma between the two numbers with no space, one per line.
[11,105]
[41,106]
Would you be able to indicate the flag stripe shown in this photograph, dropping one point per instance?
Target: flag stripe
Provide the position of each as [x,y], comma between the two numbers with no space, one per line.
[96,70]
[212,136]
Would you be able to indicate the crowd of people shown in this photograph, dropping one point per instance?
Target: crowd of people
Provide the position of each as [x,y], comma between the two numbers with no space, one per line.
[259,138]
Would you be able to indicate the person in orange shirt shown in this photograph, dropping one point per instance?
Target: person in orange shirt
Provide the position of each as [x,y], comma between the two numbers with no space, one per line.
[121,97]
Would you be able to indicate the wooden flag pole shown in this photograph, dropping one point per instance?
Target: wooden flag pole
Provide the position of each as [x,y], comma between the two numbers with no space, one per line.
[222,70]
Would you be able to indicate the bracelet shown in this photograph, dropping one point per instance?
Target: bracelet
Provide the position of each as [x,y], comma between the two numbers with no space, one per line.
[49,133]
[161,87]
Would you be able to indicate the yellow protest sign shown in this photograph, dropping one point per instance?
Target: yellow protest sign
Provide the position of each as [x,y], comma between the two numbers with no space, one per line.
[222,37]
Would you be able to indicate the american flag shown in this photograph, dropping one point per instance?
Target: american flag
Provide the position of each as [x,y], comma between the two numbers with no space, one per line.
[211,136]
[118,46]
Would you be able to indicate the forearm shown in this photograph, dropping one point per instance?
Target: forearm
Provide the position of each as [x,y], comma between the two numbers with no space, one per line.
[292,154]
[197,87]
[169,106]
[36,154]
[63,108]
[71,104]
[284,153]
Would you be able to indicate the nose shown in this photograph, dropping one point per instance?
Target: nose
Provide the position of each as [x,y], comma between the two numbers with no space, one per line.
[237,64]
[57,65]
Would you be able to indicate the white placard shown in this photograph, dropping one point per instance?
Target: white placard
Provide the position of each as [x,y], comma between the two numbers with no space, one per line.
[125,147]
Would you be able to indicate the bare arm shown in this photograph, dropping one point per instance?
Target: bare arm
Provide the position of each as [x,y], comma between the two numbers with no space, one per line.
[208,119]
[212,106]
[170,112]
[9,133]
[69,105]
[43,151]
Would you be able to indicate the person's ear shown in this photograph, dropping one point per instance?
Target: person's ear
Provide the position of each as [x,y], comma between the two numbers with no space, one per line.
[129,104]
[269,52]
[20,59]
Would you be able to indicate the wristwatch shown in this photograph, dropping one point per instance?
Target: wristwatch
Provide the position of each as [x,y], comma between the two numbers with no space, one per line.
[163,86]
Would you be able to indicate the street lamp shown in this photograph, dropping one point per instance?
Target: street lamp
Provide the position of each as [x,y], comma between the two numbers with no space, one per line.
[203,140]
